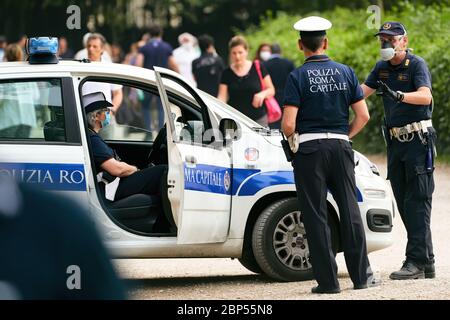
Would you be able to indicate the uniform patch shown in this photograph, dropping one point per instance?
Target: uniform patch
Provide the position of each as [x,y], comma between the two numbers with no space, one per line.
[403,77]
[383,74]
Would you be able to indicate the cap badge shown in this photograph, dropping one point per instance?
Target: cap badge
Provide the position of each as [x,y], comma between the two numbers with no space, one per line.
[387,26]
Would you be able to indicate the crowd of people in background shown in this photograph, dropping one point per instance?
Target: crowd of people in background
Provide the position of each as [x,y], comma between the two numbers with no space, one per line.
[196,59]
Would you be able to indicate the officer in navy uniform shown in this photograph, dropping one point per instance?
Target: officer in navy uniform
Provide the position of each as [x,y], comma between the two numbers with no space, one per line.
[316,120]
[404,82]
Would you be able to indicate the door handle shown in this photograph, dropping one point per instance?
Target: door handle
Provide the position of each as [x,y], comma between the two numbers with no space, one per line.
[191,159]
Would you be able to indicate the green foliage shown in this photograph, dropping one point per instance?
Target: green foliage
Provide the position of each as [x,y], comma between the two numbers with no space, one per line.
[352,43]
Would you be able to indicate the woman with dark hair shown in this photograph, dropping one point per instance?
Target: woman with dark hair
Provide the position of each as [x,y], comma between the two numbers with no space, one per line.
[264,52]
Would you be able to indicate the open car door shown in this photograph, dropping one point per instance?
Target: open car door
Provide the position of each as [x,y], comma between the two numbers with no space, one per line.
[199,176]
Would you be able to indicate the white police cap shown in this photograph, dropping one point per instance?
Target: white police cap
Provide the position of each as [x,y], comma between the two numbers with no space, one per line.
[313,26]
[95,101]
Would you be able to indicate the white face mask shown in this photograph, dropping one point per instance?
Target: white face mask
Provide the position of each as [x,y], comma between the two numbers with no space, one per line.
[187,45]
[265,55]
[387,51]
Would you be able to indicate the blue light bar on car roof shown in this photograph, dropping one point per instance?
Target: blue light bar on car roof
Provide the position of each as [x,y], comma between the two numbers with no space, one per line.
[42,50]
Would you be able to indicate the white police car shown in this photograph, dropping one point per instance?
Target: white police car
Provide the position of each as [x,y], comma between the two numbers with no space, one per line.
[229,192]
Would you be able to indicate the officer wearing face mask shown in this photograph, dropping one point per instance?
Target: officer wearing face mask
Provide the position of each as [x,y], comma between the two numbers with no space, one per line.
[404,82]
[121,179]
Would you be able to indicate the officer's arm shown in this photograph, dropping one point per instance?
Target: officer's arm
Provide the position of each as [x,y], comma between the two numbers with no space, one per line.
[421,97]
[118,169]
[223,93]
[368,91]
[289,120]
[361,118]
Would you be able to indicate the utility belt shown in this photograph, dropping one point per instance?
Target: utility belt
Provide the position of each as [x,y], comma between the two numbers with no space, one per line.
[407,133]
[296,139]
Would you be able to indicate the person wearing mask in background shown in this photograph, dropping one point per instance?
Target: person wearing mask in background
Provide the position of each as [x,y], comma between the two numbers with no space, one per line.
[240,85]
[83,53]
[209,67]
[404,83]
[59,256]
[318,117]
[156,53]
[17,102]
[279,69]
[3,44]
[185,54]
[263,53]
[64,52]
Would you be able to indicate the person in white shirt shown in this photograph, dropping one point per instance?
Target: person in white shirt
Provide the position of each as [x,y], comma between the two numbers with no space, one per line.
[186,54]
[83,53]
[113,92]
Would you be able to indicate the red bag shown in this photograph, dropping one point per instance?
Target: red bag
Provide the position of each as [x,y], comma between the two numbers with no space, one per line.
[274,112]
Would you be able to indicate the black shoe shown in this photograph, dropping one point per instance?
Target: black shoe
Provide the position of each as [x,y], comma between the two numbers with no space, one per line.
[409,271]
[430,272]
[320,290]
[371,282]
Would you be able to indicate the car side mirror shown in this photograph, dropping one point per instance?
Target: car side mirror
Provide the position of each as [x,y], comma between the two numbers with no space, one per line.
[229,130]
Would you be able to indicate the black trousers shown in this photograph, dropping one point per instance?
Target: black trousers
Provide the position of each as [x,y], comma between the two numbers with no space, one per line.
[147,181]
[319,166]
[413,187]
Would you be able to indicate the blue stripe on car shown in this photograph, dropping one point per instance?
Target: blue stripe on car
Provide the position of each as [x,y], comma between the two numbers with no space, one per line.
[47,176]
[246,182]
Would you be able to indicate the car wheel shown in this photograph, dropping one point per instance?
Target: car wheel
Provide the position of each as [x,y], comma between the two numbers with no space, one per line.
[280,244]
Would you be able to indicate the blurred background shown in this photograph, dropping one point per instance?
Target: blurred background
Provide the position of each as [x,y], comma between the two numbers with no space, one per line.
[124,22]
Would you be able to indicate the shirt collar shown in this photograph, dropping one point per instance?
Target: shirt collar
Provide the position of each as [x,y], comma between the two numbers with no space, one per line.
[318,58]
[404,64]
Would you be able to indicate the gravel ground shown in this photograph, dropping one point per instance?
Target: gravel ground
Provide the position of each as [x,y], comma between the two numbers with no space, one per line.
[227,279]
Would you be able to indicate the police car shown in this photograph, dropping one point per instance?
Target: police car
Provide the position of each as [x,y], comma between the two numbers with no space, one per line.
[229,191]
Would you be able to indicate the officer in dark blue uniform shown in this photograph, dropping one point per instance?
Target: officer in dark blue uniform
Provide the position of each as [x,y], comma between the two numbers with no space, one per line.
[316,120]
[404,82]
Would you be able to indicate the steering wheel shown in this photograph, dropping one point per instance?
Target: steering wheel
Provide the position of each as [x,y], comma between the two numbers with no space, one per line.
[159,153]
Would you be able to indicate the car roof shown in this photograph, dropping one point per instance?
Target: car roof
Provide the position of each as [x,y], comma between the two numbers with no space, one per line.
[93,68]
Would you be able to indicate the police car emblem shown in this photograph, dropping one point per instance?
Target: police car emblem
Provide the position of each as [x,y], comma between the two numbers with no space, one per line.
[387,26]
[227,181]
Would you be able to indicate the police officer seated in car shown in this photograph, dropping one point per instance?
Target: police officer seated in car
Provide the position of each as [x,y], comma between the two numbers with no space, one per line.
[127,180]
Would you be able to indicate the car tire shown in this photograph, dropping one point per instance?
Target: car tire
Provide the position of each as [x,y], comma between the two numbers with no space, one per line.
[290,262]
[248,259]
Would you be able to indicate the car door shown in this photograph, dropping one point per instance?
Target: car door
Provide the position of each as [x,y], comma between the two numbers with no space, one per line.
[39,135]
[199,174]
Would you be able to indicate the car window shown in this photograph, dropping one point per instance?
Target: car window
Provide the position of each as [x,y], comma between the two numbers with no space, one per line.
[139,115]
[32,110]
